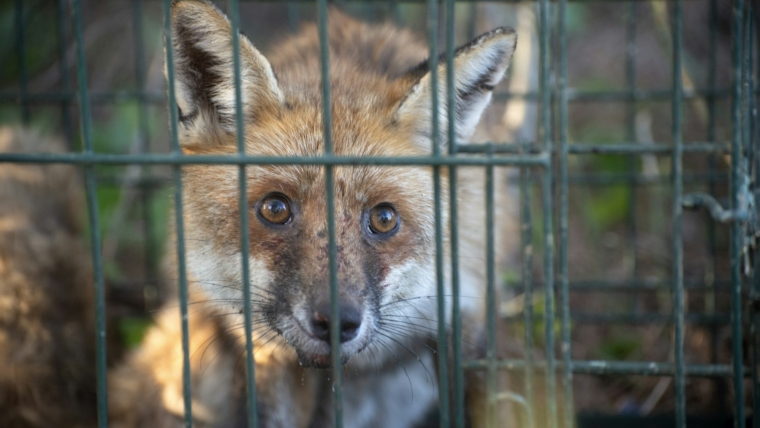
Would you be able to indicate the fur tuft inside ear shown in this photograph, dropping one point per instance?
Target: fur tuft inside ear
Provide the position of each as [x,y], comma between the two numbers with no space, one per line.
[204,75]
[478,68]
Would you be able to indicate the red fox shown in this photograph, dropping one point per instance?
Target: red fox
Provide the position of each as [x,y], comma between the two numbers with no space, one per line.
[384,228]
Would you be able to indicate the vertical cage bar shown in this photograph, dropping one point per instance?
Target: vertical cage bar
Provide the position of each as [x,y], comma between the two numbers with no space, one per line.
[548,221]
[749,92]
[737,234]
[293,16]
[753,162]
[337,386]
[178,218]
[21,52]
[144,141]
[567,371]
[754,144]
[456,316]
[66,121]
[140,74]
[631,161]
[395,11]
[491,302]
[710,297]
[92,212]
[677,177]
[442,348]
[526,243]
[245,244]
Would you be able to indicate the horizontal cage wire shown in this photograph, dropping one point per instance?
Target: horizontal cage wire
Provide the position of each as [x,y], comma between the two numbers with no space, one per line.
[632,301]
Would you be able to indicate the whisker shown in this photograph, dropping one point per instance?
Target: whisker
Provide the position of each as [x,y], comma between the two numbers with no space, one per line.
[427,297]
[396,330]
[399,324]
[411,389]
[412,353]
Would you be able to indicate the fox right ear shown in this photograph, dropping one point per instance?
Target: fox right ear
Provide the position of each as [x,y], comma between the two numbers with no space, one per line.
[478,68]
[204,75]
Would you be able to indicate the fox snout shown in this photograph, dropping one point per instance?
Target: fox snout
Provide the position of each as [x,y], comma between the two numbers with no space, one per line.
[349,318]
[312,340]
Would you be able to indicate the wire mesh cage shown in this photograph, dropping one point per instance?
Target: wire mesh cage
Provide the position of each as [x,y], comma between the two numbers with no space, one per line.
[629,127]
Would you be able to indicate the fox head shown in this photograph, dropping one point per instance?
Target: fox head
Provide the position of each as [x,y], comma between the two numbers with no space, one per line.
[384,216]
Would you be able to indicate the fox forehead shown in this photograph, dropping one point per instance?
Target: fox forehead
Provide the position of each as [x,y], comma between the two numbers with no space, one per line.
[298,130]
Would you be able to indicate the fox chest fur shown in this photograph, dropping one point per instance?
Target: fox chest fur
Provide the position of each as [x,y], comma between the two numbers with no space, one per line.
[384,221]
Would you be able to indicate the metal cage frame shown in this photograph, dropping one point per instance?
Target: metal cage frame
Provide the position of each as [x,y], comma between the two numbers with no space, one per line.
[549,156]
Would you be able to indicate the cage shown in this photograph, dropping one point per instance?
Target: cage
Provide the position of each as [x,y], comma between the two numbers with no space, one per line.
[632,130]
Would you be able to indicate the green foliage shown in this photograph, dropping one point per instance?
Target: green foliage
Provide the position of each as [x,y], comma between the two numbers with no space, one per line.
[539,323]
[160,208]
[41,46]
[604,207]
[607,208]
[619,348]
[133,330]
[511,277]
[577,18]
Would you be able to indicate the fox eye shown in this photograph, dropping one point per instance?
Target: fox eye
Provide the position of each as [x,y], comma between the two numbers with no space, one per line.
[383,219]
[275,209]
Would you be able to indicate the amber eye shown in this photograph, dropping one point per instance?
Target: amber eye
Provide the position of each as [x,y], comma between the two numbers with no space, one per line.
[275,209]
[383,219]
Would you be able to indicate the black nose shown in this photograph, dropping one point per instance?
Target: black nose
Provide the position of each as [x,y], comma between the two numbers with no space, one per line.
[350,321]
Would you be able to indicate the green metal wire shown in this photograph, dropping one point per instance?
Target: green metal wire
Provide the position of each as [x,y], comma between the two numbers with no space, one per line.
[94,221]
[293,16]
[753,14]
[178,159]
[456,315]
[628,318]
[21,51]
[742,147]
[526,243]
[749,169]
[245,245]
[491,299]
[737,233]
[178,217]
[143,136]
[677,172]
[582,148]
[598,368]
[573,95]
[66,120]
[548,220]
[337,386]
[462,1]
[569,413]
[442,346]
[630,119]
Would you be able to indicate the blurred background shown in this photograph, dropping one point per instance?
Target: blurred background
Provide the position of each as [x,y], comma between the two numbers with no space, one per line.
[620,245]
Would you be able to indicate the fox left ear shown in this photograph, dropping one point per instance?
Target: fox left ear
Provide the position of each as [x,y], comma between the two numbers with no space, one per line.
[204,75]
[478,68]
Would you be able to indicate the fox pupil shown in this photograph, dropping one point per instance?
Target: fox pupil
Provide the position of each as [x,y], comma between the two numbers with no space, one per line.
[275,209]
[383,219]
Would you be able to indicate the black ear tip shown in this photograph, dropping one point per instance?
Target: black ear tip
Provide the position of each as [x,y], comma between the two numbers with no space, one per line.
[193,6]
[499,33]
[176,2]
[502,32]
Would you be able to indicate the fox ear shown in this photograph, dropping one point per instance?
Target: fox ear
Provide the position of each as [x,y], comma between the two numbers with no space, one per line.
[478,67]
[204,75]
